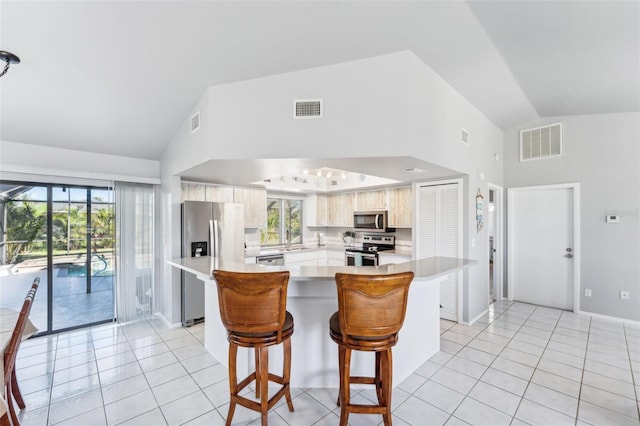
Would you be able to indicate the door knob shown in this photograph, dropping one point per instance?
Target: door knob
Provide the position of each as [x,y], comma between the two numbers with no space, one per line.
[568,256]
[568,250]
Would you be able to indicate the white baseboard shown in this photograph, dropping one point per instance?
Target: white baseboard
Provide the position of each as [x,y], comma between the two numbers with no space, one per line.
[610,318]
[480,315]
[166,321]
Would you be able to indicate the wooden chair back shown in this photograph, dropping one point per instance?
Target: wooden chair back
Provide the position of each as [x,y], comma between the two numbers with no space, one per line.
[253,303]
[372,305]
[11,351]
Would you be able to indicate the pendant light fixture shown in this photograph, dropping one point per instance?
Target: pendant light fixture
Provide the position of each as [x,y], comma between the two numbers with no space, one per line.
[9,58]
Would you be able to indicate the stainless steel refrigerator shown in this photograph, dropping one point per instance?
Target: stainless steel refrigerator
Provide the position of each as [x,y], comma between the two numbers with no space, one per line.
[208,229]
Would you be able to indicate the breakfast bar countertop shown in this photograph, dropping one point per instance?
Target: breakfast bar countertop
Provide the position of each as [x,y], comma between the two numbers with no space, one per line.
[430,267]
[312,299]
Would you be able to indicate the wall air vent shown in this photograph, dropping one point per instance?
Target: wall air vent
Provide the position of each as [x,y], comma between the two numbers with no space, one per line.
[464,136]
[307,108]
[541,142]
[194,122]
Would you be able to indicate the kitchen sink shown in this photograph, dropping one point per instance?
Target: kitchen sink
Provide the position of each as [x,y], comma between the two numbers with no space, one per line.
[295,248]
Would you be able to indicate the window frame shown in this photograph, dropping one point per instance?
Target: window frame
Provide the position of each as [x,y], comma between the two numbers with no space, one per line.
[282,228]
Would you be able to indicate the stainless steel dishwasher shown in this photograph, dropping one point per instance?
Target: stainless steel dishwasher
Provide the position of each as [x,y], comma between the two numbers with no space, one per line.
[276,259]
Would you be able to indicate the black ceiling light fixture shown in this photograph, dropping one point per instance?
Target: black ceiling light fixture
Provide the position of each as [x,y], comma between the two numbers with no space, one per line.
[9,58]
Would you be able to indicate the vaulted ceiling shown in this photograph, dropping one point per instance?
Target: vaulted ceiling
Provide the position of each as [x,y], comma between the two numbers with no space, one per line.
[119,77]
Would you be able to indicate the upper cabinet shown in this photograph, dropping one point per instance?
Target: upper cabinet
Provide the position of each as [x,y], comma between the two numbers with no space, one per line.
[206,192]
[337,209]
[218,194]
[400,207]
[192,191]
[340,209]
[254,200]
[255,206]
[370,200]
[315,210]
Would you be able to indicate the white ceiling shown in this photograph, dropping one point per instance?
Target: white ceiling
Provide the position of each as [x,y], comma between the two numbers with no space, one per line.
[244,172]
[119,77]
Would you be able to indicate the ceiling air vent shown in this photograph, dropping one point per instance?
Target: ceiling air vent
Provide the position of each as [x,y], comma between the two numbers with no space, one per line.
[541,142]
[195,122]
[307,108]
[464,136]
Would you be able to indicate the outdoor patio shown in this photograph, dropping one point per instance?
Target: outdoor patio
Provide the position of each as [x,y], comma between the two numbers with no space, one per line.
[72,305]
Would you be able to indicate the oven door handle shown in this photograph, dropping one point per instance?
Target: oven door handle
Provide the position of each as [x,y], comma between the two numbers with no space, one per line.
[369,256]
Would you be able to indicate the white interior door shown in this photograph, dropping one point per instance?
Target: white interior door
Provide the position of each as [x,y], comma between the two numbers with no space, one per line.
[438,234]
[541,245]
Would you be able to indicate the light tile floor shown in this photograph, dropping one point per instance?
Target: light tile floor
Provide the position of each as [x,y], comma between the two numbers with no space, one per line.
[519,364]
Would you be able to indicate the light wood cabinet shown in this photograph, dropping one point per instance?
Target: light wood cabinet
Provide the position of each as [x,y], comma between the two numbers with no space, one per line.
[255,206]
[321,210]
[400,207]
[340,209]
[371,200]
[315,210]
[218,194]
[192,191]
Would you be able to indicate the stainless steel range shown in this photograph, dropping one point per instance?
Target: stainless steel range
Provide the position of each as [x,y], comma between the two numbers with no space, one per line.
[367,255]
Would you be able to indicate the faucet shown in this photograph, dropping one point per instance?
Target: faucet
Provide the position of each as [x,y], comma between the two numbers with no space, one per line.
[287,239]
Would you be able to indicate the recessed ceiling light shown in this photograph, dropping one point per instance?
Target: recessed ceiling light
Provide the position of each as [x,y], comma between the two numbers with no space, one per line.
[414,170]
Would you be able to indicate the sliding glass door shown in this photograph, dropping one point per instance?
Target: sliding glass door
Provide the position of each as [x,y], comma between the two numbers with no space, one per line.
[64,235]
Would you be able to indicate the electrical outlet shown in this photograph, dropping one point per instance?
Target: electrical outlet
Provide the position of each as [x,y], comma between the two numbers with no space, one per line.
[587,292]
[624,295]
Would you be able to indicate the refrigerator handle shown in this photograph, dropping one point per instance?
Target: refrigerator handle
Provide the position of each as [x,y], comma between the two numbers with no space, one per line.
[213,228]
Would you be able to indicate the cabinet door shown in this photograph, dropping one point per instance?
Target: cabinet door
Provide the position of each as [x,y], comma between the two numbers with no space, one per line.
[192,191]
[340,209]
[400,207]
[315,210]
[255,206]
[218,194]
[321,210]
[371,200]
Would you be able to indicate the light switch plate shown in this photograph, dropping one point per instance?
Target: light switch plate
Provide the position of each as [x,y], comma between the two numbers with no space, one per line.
[612,218]
[587,292]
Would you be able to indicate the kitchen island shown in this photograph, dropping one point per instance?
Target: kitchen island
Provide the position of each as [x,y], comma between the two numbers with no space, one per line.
[312,299]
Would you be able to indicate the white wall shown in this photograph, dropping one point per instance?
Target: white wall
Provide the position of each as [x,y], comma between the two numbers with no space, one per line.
[602,153]
[47,161]
[392,104]
[437,113]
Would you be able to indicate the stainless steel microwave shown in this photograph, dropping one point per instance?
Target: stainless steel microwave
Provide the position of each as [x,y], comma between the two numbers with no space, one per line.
[370,221]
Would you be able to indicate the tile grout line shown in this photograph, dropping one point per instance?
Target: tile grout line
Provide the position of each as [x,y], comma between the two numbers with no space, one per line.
[477,380]
[633,379]
[584,364]
[513,417]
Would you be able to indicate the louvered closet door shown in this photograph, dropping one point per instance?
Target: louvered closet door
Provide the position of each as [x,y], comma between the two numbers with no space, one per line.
[438,236]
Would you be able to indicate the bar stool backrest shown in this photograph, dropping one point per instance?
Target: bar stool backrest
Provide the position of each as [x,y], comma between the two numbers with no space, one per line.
[372,305]
[252,303]
[11,351]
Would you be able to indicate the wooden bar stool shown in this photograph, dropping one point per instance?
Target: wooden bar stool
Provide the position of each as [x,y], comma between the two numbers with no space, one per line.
[10,354]
[253,310]
[371,310]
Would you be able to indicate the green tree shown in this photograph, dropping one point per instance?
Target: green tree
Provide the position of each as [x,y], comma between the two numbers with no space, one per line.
[25,223]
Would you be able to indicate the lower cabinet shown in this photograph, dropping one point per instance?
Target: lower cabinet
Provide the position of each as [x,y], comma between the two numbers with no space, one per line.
[315,257]
[389,258]
[303,258]
[335,258]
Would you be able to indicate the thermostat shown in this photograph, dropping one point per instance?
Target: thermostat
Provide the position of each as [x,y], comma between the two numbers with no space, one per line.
[613,218]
